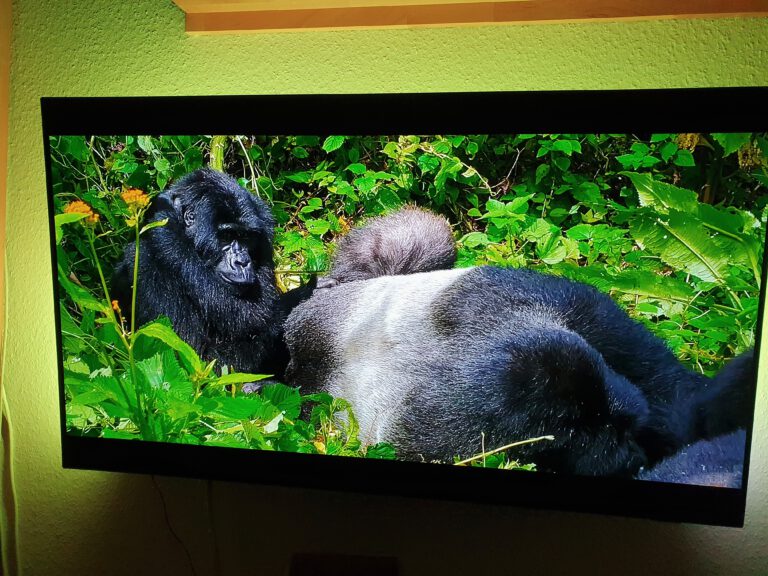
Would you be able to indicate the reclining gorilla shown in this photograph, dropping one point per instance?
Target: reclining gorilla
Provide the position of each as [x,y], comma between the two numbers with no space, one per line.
[433,361]
[210,271]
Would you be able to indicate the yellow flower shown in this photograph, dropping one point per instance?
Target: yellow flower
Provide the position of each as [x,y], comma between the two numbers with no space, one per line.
[135,198]
[750,157]
[80,207]
[688,141]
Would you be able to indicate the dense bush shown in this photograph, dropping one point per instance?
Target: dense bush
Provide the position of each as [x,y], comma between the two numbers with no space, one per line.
[671,225]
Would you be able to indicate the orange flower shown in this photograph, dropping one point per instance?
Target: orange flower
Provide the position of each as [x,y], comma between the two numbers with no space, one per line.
[80,207]
[135,198]
[116,306]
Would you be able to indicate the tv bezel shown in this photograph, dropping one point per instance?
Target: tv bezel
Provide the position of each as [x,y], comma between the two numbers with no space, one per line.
[600,111]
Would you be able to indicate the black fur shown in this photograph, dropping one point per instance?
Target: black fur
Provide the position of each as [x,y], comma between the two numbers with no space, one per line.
[717,462]
[210,271]
[432,362]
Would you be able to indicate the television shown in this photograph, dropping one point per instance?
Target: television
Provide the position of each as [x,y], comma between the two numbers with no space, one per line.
[543,299]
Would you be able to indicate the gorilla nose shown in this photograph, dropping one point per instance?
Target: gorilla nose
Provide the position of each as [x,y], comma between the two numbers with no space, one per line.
[239,255]
[242,260]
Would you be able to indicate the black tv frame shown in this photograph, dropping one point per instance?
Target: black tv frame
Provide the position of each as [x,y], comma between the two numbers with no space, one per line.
[610,111]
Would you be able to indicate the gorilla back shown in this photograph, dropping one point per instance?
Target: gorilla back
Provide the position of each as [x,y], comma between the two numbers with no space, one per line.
[435,362]
[210,271]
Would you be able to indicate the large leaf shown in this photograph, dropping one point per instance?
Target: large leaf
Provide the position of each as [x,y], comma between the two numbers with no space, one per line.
[167,335]
[660,195]
[60,219]
[285,398]
[732,226]
[681,242]
[732,141]
[643,283]
[80,296]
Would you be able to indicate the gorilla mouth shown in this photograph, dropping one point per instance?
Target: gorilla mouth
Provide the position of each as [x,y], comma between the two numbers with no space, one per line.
[241,278]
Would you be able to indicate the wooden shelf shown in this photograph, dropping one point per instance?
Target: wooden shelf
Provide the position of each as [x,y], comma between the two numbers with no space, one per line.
[210,16]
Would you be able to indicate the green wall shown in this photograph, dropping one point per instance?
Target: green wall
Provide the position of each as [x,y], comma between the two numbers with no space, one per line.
[86,522]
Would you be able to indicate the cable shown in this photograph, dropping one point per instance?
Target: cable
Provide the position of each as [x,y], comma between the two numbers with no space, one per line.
[170,527]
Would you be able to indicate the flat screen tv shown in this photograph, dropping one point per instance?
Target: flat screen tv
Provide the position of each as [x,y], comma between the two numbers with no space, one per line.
[546,299]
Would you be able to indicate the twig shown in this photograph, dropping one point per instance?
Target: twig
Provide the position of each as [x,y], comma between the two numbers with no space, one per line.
[502,448]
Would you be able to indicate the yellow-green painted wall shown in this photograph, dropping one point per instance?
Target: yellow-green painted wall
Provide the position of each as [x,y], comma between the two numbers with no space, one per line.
[73,522]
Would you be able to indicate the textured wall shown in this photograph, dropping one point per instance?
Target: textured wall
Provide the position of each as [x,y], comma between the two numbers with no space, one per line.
[86,522]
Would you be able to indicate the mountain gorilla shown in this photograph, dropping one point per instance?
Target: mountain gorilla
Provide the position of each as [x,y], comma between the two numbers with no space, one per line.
[210,271]
[434,362]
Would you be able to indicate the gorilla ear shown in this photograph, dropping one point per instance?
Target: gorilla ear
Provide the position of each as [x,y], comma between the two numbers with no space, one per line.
[186,214]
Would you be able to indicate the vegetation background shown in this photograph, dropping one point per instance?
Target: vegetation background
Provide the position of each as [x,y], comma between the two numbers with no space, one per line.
[671,225]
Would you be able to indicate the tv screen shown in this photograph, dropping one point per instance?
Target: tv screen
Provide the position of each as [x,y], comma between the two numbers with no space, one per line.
[546,299]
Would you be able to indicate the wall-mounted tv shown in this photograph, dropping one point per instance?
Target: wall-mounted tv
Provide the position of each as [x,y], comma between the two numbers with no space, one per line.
[547,299]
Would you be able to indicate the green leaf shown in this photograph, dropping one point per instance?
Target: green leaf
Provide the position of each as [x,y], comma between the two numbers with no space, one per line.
[588,193]
[300,177]
[541,172]
[317,227]
[381,451]
[660,195]
[61,219]
[333,143]
[357,168]
[563,146]
[683,243]
[145,143]
[168,336]
[285,398]
[239,378]
[81,296]
[300,152]
[732,141]
[668,150]
[162,165]
[155,224]
[243,408]
[562,162]
[552,251]
[475,239]
[365,183]
[428,163]
[684,158]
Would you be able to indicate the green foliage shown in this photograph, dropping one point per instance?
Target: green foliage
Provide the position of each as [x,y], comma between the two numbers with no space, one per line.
[670,225]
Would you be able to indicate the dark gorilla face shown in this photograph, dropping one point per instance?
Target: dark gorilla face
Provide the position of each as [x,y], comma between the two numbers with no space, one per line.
[229,230]
[209,270]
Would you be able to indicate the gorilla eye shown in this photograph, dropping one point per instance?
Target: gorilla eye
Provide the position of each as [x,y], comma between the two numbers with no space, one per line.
[189,217]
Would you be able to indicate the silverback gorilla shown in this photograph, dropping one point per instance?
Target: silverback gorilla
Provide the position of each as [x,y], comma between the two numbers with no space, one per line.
[210,271]
[433,362]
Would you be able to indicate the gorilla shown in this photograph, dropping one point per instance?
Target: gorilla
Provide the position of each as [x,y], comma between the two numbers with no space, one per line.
[716,462]
[408,241]
[210,271]
[438,362]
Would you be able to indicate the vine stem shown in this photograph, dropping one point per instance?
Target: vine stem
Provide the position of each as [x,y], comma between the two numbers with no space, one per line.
[146,432]
[96,164]
[121,334]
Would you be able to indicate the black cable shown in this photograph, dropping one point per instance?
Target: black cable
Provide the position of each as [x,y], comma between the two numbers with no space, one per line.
[170,527]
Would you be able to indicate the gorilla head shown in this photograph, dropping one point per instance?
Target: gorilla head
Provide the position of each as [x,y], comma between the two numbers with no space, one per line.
[224,232]
[407,241]
[210,271]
